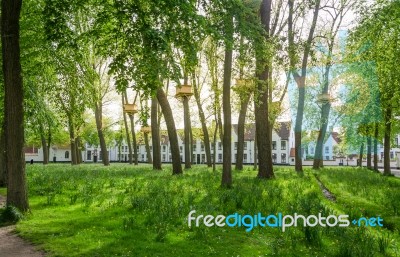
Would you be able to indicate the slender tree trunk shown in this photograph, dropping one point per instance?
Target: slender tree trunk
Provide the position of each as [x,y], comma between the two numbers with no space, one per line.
[48,144]
[206,137]
[261,99]
[241,123]
[361,154]
[187,129]
[134,144]
[215,146]
[148,152]
[300,78]
[71,129]
[173,137]
[44,146]
[376,135]
[226,108]
[128,137]
[13,103]
[3,164]
[155,134]
[98,112]
[78,149]
[386,146]
[369,148]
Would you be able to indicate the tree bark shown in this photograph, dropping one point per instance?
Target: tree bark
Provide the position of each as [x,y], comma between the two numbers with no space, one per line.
[155,134]
[134,144]
[173,137]
[187,128]
[226,108]
[215,146]
[44,146]
[71,129]
[255,164]
[361,154]
[148,152]
[13,103]
[369,148]
[78,150]
[376,135]
[261,100]
[206,137]
[386,146]
[240,130]
[3,164]
[98,113]
[128,137]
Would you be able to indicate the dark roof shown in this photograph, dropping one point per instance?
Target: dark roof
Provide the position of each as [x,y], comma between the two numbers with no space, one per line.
[281,128]
[336,137]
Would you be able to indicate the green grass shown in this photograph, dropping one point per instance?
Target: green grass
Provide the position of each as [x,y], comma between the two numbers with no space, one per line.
[3,191]
[123,210]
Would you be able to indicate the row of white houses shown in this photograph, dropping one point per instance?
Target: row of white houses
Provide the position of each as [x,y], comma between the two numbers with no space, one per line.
[282,149]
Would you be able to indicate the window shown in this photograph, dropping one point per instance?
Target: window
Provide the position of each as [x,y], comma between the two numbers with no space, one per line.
[391,155]
[169,157]
[181,158]
[245,157]
[212,147]
[138,148]
[202,147]
[273,145]
[194,147]
[236,143]
[66,155]
[219,146]
[100,155]
[235,158]
[326,149]
[164,148]
[88,155]
[274,157]
[142,157]
[212,157]
[245,146]
[126,148]
[283,158]
[312,150]
[220,157]
[283,146]
[163,157]
[180,149]
[327,157]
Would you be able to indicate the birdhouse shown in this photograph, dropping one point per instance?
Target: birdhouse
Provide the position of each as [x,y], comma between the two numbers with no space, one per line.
[130,108]
[324,98]
[184,90]
[146,129]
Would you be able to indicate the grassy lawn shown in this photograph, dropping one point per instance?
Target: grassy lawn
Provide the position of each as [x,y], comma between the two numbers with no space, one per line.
[123,210]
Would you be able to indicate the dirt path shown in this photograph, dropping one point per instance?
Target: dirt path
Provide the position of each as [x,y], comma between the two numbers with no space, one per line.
[13,246]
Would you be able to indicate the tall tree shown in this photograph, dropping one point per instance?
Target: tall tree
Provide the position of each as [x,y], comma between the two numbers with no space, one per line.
[14,112]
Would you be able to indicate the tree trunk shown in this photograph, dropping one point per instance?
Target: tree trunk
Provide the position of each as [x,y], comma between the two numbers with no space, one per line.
[215,146]
[240,130]
[48,144]
[128,137]
[44,146]
[255,158]
[226,108]
[261,100]
[3,164]
[71,129]
[98,113]
[300,78]
[173,137]
[369,148]
[155,134]
[78,150]
[134,144]
[148,152]
[376,135]
[206,137]
[188,142]
[13,103]
[361,154]
[386,146]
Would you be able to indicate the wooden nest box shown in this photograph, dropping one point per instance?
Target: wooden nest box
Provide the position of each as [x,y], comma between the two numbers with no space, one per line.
[184,90]
[145,129]
[130,108]
[324,98]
